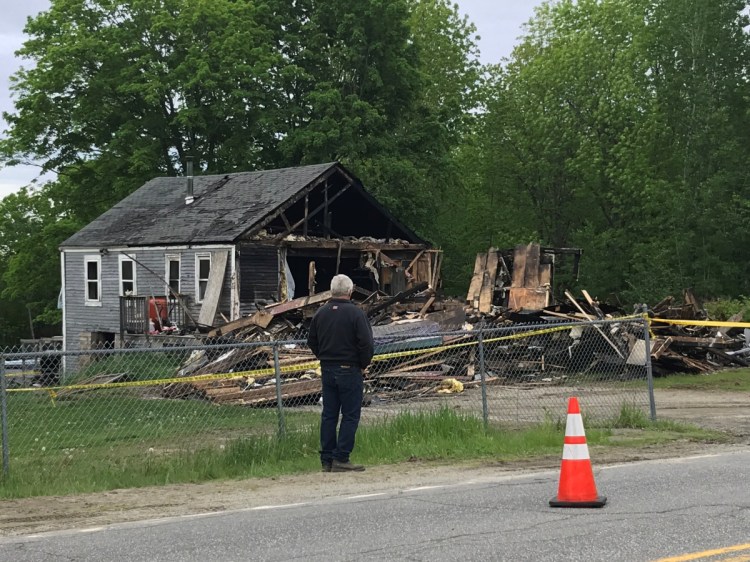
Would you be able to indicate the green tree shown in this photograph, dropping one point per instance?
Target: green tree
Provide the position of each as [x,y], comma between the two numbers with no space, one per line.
[449,60]
[455,92]
[355,91]
[118,92]
[31,229]
[626,124]
[121,91]
[698,57]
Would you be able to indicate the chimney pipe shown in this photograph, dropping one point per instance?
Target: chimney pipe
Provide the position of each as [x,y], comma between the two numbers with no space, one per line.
[189,198]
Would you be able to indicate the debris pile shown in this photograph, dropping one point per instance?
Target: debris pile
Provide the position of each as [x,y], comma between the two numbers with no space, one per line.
[409,320]
[427,345]
[515,286]
[680,346]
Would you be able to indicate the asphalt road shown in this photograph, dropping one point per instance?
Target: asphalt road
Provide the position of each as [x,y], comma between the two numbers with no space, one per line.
[655,509]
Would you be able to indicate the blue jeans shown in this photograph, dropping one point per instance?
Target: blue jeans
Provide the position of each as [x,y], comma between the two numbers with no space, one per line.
[342,395]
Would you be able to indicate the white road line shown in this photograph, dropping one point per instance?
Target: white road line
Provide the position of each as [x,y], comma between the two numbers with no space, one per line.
[206,514]
[262,507]
[672,460]
[91,530]
[363,496]
[423,488]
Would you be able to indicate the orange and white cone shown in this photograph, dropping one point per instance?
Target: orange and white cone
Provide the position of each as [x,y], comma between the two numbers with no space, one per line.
[577,487]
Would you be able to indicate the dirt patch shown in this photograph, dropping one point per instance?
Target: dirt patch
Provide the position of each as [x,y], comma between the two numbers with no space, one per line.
[728,412]
[724,411]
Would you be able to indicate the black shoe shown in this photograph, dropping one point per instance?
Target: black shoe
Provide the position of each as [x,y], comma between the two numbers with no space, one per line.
[338,466]
[325,467]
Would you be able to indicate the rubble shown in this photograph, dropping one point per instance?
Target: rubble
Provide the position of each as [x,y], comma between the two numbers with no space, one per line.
[679,343]
[516,286]
[510,292]
[694,348]
[412,312]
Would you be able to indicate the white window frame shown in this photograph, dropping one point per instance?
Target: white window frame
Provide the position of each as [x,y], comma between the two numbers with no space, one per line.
[198,259]
[131,259]
[98,261]
[167,277]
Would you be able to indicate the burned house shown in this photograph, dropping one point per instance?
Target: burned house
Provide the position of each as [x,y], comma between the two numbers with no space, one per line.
[195,252]
[521,278]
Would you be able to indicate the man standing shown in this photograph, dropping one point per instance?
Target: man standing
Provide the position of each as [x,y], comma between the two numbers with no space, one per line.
[341,337]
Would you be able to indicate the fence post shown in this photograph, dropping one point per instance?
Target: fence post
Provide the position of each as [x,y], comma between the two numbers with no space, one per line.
[649,372]
[4,416]
[482,375]
[279,405]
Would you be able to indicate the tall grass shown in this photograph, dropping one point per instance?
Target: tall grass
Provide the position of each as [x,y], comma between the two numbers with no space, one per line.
[229,451]
[133,366]
[730,380]
[447,435]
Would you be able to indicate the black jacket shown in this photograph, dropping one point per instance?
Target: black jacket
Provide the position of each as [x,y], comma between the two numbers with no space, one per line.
[341,333]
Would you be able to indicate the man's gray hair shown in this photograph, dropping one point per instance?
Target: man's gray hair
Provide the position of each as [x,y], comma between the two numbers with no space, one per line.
[341,286]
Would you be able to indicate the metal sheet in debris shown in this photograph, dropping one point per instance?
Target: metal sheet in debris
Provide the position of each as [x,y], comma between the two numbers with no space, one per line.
[417,327]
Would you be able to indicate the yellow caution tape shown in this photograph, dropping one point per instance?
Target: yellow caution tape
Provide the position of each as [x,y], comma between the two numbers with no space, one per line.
[386,356]
[713,323]
[310,365]
[158,382]
[12,374]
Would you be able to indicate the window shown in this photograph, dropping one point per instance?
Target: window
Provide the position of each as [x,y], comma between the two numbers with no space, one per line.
[173,273]
[202,271]
[127,275]
[92,272]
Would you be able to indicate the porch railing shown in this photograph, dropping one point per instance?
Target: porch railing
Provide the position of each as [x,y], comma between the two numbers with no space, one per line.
[153,314]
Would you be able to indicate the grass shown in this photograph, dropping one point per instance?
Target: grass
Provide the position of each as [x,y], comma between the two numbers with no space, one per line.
[122,416]
[120,438]
[136,366]
[137,443]
[734,380]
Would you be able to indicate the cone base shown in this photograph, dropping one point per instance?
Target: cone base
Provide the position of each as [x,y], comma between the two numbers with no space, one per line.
[597,502]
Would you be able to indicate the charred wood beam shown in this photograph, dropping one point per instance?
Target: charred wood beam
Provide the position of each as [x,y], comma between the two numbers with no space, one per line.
[326,216]
[348,245]
[297,197]
[731,358]
[286,220]
[314,212]
[598,329]
[403,295]
[307,203]
[411,264]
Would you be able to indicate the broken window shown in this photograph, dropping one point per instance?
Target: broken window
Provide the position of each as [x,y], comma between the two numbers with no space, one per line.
[92,269]
[203,270]
[173,273]
[127,276]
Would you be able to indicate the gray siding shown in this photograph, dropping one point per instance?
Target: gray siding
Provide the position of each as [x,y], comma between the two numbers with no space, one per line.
[150,272]
[82,318]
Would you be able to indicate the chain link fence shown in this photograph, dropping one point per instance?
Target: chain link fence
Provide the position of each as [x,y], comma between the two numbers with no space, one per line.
[110,406]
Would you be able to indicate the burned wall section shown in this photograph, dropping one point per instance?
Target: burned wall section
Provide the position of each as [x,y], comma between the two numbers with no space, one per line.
[372,265]
[332,226]
[522,278]
[259,274]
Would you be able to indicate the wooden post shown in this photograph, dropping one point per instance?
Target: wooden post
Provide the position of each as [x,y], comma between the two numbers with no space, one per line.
[325,211]
[572,299]
[311,278]
[307,201]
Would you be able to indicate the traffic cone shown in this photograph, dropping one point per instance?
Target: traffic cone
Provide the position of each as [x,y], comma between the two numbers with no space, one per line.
[577,487]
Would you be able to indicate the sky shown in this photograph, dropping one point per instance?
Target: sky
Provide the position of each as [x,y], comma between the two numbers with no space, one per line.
[498,24]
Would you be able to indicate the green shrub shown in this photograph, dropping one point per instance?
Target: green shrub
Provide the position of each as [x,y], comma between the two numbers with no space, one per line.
[723,309]
[631,417]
